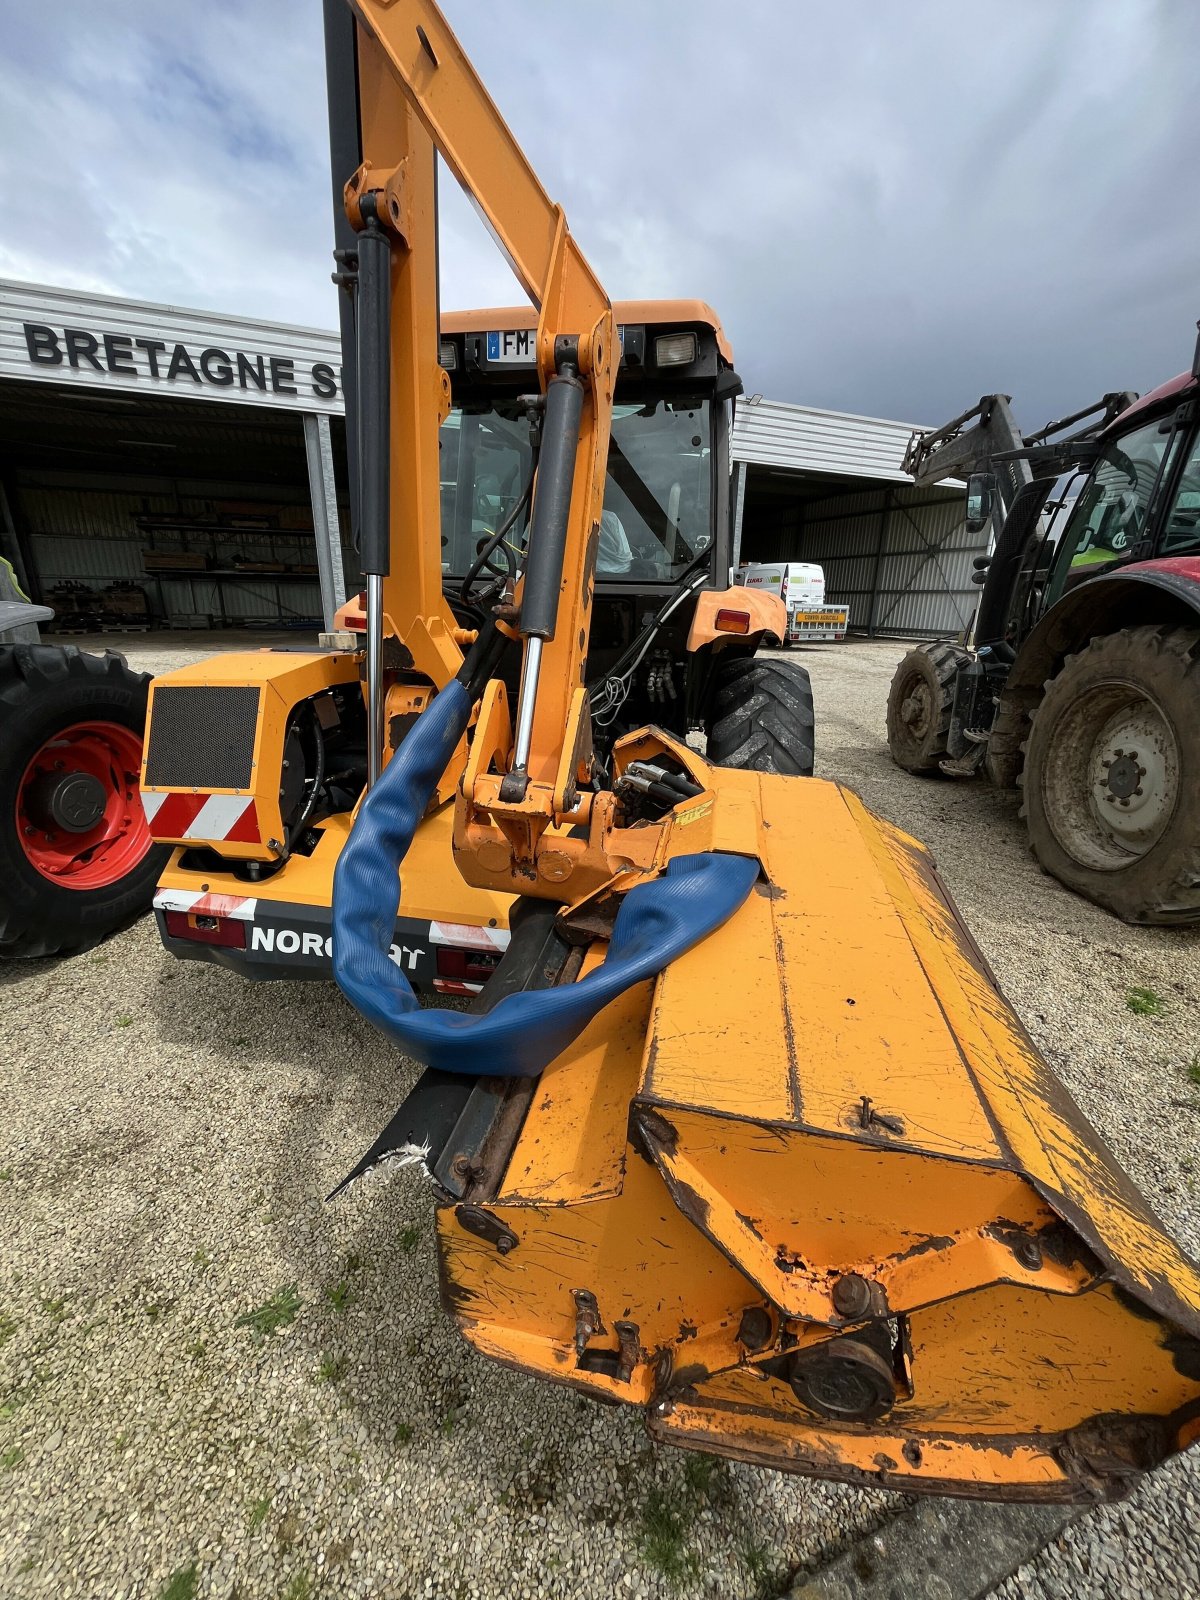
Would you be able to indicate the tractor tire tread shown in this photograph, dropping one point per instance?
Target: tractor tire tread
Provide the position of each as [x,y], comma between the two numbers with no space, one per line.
[762,716]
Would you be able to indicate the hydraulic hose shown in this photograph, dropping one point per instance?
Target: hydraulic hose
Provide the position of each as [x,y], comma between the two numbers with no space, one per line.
[523,1032]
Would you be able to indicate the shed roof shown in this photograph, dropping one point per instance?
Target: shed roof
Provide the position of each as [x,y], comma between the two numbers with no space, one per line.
[805,439]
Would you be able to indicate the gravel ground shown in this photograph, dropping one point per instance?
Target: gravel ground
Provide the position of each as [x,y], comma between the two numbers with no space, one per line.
[169,1134]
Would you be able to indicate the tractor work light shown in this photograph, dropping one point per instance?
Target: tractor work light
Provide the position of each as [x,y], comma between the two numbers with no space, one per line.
[730,621]
[448,355]
[675,349]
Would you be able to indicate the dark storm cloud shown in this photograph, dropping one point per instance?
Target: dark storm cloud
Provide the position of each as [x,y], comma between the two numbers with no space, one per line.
[894,208]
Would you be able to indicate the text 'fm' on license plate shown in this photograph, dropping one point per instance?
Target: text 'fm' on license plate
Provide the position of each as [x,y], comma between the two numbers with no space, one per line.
[514,346]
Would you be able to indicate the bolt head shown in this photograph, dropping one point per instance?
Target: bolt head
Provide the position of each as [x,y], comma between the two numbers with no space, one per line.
[852,1296]
[755,1328]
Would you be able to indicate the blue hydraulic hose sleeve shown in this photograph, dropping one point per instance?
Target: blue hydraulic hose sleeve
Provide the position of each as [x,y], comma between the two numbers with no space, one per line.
[520,1035]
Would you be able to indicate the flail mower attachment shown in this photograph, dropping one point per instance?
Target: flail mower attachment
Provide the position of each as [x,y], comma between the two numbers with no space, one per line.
[809,1196]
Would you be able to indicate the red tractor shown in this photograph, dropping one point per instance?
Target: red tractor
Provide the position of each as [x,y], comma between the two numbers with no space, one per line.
[1081,680]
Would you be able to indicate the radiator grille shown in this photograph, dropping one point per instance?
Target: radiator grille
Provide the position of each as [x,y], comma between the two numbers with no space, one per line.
[202,737]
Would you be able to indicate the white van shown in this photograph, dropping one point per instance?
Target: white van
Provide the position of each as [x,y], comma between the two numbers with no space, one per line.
[801,587]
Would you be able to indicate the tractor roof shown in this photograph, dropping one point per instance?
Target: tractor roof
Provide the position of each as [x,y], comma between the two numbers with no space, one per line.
[673,313]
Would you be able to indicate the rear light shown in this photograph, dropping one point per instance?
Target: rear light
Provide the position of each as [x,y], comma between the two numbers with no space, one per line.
[675,349]
[466,966]
[227,931]
[729,621]
[358,624]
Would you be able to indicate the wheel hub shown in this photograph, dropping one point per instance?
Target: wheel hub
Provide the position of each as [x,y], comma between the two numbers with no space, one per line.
[71,800]
[1134,774]
[78,818]
[916,708]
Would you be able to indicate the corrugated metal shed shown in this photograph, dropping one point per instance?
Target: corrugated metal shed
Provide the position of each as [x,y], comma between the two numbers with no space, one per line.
[827,486]
[771,433]
[100,342]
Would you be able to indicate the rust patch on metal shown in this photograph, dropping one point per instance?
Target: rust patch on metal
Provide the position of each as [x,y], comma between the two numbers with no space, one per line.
[939,1241]
[694,1207]
[769,890]
[656,1130]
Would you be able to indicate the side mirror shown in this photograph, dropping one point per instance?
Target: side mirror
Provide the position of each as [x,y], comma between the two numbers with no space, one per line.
[981,490]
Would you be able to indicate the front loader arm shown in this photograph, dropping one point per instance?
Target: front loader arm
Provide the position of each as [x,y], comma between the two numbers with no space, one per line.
[419,94]
[970,443]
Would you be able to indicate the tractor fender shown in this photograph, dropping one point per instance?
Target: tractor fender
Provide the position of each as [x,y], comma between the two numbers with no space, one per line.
[766,615]
[1163,590]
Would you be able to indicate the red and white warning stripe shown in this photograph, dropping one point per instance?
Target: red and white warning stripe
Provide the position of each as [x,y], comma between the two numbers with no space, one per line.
[468,936]
[172,815]
[201,904]
[458,986]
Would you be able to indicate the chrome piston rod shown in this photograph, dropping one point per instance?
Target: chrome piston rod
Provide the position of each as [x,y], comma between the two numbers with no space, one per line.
[374,677]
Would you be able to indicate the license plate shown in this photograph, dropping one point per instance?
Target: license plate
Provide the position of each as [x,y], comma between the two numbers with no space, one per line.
[513,347]
[822,619]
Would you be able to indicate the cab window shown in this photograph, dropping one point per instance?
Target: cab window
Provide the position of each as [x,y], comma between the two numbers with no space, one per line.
[1181,528]
[1110,515]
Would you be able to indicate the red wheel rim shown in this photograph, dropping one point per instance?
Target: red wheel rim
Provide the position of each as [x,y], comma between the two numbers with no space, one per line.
[88,768]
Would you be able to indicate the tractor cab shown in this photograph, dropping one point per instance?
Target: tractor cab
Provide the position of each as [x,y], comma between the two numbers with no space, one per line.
[1141,498]
[665,524]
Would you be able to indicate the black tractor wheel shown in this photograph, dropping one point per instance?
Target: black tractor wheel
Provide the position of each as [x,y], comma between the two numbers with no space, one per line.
[919,705]
[762,716]
[76,858]
[1112,774]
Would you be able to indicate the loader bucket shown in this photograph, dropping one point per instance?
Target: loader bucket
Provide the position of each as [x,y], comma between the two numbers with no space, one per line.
[812,1199]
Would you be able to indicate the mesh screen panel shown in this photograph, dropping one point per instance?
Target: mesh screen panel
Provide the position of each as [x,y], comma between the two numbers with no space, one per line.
[202,737]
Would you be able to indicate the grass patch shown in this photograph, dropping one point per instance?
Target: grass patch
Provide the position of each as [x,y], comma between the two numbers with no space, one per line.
[332,1369]
[56,1310]
[8,1328]
[403,1433]
[410,1237]
[699,1472]
[124,1022]
[13,1458]
[5,1175]
[300,1587]
[201,1260]
[1145,1003]
[273,1314]
[339,1294]
[258,1512]
[1193,1070]
[354,1262]
[197,1350]
[764,1571]
[662,1538]
[182,1584]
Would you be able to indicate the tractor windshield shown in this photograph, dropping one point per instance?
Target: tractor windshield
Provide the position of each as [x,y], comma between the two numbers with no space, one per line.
[657,500]
[1109,517]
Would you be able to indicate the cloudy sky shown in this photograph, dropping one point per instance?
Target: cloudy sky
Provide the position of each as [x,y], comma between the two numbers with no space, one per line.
[894,207]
